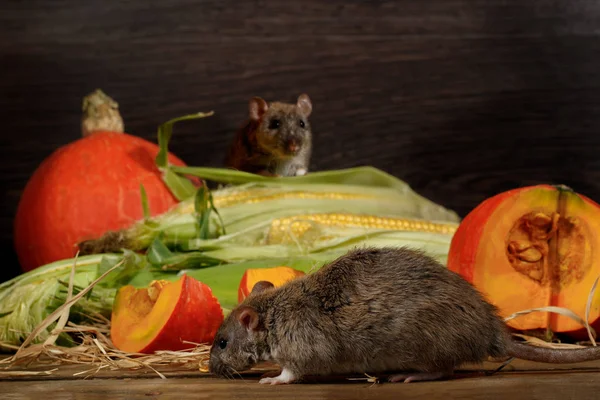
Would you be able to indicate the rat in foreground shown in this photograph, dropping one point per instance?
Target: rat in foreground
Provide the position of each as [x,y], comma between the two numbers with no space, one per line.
[371,311]
[275,141]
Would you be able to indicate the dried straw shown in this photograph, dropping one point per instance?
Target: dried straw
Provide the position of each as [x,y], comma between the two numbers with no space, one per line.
[64,316]
[98,352]
[95,348]
[588,306]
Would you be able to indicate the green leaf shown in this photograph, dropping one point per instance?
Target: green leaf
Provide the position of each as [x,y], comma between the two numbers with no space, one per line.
[181,187]
[214,209]
[145,205]
[133,263]
[193,260]
[165,131]
[105,264]
[202,212]
[158,253]
[203,205]
[160,256]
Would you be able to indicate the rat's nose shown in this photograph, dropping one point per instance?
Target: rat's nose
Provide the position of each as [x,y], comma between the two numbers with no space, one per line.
[293,146]
[213,365]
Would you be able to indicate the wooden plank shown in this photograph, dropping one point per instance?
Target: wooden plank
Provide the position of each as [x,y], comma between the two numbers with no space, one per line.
[547,386]
[76,372]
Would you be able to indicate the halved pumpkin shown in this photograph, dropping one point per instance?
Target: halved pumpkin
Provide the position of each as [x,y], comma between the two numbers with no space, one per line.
[164,316]
[533,247]
[276,275]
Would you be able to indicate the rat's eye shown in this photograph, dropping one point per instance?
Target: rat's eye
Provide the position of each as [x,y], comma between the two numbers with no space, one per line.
[302,124]
[222,343]
[274,124]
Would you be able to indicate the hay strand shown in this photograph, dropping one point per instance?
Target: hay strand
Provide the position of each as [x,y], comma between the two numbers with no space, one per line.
[588,306]
[64,317]
[98,352]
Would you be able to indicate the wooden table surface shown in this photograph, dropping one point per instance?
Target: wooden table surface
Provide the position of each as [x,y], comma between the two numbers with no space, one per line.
[519,380]
[545,386]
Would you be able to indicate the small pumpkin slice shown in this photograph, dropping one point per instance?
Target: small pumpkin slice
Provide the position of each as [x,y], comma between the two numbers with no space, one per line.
[164,316]
[276,275]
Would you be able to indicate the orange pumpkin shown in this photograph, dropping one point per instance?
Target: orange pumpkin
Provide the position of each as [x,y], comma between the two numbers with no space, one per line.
[533,247]
[88,187]
[164,316]
[276,275]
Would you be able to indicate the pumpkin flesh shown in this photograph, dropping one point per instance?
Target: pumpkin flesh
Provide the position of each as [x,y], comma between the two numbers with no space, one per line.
[529,248]
[164,316]
[276,275]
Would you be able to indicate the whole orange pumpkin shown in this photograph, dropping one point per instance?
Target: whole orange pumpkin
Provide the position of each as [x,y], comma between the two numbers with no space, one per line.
[88,187]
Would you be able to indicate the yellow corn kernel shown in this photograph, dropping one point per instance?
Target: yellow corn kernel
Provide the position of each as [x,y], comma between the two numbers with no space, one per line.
[285,230]
[257,195]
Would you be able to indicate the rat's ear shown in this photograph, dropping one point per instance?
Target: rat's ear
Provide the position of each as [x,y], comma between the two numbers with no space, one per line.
[248,317]
[261,286]
[257,108]
[304,104]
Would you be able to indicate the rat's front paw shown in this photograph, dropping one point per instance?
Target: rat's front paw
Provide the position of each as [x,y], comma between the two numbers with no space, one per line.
[272,381]
[283,378]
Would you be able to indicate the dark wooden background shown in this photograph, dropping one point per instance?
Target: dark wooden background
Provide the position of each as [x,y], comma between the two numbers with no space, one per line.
[460,98]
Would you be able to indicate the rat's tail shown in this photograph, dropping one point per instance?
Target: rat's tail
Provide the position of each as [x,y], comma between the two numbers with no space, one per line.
[554,356]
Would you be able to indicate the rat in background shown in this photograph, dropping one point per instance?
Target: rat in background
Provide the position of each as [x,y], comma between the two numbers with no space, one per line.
[373,310]
[275,141]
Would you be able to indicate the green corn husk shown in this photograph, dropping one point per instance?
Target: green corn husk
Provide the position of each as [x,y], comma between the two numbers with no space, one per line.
[262,202]
[30,297]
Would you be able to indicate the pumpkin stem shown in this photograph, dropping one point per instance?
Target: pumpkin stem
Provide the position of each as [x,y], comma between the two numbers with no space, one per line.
[100,113]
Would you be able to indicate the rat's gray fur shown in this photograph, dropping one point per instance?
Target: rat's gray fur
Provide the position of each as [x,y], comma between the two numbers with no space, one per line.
[373,311]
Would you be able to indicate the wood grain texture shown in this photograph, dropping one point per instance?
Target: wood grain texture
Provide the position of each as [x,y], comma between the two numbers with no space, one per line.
[36,371]
[547,386]
[460,98]
[518,380]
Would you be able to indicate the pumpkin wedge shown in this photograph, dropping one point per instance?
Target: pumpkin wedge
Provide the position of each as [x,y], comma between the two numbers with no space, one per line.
[276,275]
[533,247]
[164,316]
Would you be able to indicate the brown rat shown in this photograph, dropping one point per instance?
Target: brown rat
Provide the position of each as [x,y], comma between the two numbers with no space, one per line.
[371,311]
[275,141]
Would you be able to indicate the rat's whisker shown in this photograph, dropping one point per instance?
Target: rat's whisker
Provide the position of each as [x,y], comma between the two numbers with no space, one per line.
[238,374]
[228,372]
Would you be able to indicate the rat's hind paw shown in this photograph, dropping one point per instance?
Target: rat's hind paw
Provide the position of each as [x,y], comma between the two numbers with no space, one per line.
[284,377]
[419,376]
